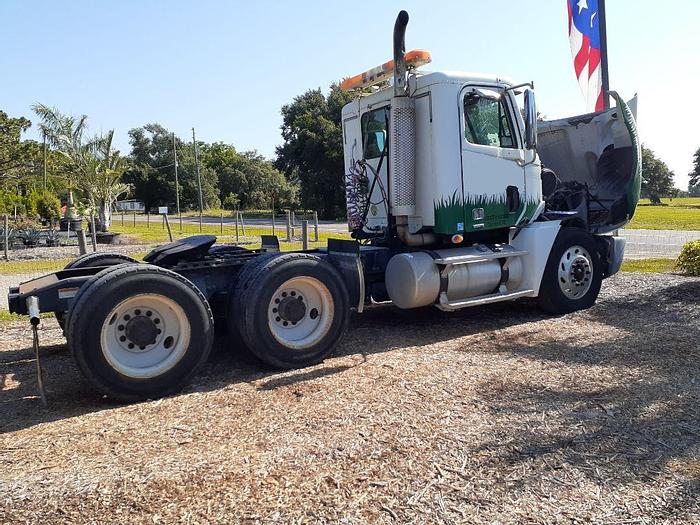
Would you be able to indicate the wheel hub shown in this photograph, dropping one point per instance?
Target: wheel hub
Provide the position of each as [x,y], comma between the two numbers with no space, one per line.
[575,272]
[300,312]
[141,330]
[145,335]
[292,309]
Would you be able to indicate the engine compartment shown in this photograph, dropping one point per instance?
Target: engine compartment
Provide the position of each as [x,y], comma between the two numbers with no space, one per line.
[597,162]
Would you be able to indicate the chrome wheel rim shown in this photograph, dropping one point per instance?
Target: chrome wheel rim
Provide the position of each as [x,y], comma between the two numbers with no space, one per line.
[300,312]
[145,336]
[575,273]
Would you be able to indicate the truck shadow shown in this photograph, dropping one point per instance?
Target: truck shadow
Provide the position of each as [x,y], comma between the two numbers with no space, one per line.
[69,395]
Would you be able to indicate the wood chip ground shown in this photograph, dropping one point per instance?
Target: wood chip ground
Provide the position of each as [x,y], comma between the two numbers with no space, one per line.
[489,415]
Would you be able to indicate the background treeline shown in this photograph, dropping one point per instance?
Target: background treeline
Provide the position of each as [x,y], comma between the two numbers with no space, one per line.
[307,171]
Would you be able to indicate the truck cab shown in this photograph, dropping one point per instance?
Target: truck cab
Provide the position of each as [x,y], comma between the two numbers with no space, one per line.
[473,171]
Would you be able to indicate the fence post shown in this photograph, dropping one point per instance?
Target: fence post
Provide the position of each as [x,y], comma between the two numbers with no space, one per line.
[6,235]
[134,219]
[273,221]
[289,227]
[294,219]
[167,223]
[94,233]
[305,234]
[122,219]
[316,225]
[82,243]
[236,227]
[242,223]
[222,223]
[148,220]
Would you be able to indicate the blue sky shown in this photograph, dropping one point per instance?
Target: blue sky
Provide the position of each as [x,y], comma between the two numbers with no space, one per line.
[227,67]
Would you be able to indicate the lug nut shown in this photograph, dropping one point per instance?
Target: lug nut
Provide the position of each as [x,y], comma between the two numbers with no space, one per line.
[137,312]
[122,339]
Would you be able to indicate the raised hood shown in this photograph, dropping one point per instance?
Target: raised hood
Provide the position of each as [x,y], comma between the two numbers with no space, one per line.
[597,160]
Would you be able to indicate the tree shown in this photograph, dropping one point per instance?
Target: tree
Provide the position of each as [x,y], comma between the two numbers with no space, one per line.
[152,175]
[13,152]
[247,178]
[694,182]
[657,178]
[94,166]
[312,152]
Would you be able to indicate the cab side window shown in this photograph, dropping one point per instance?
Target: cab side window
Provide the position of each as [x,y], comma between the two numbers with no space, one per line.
[374,132]
[486,119]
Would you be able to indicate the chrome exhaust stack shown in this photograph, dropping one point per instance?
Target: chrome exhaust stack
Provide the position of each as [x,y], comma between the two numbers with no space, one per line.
[402,144]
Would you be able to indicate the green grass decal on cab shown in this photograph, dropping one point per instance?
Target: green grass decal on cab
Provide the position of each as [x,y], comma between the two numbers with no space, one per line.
[453,211]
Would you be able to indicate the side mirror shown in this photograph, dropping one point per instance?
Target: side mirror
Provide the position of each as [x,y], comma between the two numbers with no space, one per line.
[530,120]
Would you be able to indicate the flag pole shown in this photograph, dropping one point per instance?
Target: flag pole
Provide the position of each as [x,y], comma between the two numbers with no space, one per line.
[604,53]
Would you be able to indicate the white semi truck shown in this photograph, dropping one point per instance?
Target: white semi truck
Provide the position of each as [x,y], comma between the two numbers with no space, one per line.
[456,195]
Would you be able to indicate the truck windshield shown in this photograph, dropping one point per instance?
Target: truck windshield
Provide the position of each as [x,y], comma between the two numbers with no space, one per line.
[486,121]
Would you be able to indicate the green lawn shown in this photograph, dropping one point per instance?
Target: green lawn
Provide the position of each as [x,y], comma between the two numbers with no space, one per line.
[677,214]
[250,238]
[649,265]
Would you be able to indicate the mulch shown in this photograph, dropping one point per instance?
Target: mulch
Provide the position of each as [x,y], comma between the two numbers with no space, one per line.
[497,414]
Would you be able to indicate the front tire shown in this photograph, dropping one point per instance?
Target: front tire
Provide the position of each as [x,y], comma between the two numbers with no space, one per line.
[294,310]
[573,274]
[139,332]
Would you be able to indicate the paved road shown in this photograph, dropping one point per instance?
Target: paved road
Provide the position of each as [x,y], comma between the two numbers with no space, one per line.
[642,244]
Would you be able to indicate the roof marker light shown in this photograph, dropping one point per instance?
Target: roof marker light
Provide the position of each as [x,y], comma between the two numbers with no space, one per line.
[414,59]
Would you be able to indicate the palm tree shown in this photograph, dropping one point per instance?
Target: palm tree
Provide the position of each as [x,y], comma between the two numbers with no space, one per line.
[95,166]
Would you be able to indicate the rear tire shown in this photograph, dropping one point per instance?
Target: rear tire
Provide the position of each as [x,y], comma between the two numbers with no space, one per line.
[573,274]
[294,310]
[139,332]
[91,260]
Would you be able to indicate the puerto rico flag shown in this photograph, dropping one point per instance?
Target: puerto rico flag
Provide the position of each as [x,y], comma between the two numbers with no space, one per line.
[584,37]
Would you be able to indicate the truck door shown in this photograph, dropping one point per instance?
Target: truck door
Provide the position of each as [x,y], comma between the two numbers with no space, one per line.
[374,124]
[493,177]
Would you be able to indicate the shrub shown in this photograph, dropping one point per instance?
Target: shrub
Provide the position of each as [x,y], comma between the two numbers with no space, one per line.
[48,206]
[689,259]
[231,202]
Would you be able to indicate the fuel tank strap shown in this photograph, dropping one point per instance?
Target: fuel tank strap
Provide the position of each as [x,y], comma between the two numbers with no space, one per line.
[444,281]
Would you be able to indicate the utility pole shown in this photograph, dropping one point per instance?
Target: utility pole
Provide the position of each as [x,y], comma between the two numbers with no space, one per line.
[45,177]
[199,180]
[604,53]
[177,184]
